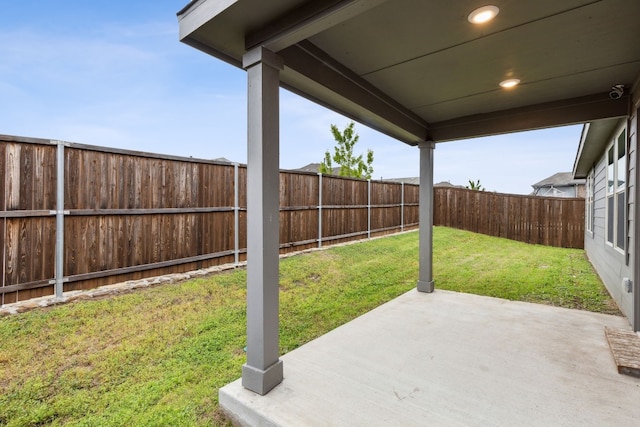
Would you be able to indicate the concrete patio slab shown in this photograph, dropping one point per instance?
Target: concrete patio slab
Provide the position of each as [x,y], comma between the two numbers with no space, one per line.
[450,359]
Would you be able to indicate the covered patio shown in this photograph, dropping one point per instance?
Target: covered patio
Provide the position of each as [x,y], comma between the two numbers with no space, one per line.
[450,359]
[425,72]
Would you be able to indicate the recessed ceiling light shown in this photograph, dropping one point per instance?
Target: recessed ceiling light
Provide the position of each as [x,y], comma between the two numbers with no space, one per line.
[509,83]
[483,14]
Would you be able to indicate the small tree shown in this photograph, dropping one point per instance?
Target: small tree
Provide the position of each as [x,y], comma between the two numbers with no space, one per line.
[475,186]
[350,165]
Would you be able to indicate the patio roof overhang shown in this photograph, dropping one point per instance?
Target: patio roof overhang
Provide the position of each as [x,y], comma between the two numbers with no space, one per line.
[421,71]
[418,71]
[594,139]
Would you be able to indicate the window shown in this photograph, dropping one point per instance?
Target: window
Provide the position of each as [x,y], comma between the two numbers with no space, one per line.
[589,209]
[616,191]
[610,193]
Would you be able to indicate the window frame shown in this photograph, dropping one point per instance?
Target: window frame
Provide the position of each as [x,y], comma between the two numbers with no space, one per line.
[615,190]
[589,205]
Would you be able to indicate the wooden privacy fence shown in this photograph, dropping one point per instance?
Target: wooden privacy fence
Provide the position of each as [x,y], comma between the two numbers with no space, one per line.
[77,216]
[127,215]
[530,219]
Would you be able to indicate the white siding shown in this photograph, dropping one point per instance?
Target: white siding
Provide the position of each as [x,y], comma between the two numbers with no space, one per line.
[611,264]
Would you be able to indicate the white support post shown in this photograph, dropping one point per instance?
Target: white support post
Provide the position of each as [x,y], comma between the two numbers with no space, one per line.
[263,370]
[236,215]
[319,210]
[425,281]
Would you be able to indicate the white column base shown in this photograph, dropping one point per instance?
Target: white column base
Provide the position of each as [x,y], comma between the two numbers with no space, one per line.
[262,382]
[427,287]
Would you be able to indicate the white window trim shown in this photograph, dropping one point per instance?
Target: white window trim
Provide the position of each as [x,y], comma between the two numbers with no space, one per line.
[607,194]
[616,191]
[589,205]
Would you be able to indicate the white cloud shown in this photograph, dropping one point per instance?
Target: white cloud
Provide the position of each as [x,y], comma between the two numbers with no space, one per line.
[103,90]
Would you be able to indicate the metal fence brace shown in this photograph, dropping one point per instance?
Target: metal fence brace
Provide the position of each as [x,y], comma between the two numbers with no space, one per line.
[319,210]
[402,206]
[236,215]
[59,213]
[368,209]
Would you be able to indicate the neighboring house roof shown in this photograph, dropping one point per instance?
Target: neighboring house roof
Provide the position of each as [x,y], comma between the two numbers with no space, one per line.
[315,167]
[560,179]
[594,139]
[411,180]
[561,184]
[222,159]
[448,184]
[416,181]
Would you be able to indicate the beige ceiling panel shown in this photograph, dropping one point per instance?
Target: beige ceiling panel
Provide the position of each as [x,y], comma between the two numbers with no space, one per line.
[544,91]
[402,30]
[549,50]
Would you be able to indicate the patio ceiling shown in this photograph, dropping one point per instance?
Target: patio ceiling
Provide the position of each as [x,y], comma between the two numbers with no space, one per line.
[419,70]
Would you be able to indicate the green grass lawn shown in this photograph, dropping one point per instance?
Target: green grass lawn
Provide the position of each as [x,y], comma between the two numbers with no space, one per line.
[157,357]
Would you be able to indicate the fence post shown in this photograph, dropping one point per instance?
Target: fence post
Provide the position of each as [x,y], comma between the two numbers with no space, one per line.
[319,209]
[59,212]
[402,206]
[236,215]
[368,209]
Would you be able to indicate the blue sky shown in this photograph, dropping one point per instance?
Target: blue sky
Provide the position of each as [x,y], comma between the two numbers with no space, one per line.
[113,73]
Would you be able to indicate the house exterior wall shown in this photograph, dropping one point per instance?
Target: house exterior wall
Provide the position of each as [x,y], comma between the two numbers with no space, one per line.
[634,214]
[632,178]
[612,264]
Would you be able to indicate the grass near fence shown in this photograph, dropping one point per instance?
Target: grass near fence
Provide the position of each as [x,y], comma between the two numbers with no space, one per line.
[157,357]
